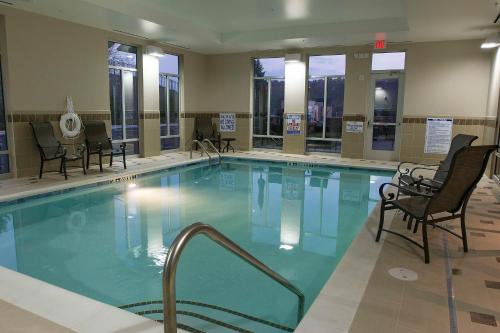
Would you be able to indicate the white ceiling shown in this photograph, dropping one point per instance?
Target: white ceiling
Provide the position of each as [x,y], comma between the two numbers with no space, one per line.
[220,26]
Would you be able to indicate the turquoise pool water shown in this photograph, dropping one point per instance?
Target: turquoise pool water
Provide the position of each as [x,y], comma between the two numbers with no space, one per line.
[109,242]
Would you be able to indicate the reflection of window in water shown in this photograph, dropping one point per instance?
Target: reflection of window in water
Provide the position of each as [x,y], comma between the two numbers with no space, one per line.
[128,235]
[266,205]
[8,256]
[321,212]
[171,217]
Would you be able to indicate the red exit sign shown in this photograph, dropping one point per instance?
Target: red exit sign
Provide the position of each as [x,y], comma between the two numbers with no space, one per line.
[380,44]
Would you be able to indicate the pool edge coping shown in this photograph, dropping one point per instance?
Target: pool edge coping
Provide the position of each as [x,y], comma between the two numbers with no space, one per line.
[314,320]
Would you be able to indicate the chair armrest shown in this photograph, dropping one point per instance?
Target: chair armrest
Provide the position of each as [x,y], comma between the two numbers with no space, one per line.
[406,171]
[390,196]
[424,168]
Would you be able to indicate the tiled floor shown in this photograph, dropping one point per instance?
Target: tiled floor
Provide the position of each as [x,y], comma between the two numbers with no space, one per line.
[456,292]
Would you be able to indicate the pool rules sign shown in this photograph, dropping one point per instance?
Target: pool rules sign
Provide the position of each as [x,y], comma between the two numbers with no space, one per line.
[227,122]
[293,122]
[438,135]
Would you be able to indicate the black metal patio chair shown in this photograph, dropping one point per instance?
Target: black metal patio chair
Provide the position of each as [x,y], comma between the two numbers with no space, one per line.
[205,129]
[52,149]
[466,169]
[98,143]
[409,177]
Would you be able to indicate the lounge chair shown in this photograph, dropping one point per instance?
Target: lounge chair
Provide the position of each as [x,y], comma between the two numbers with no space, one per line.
[466,169]
[205,129]
[51,149]
[409,177]
[98,143]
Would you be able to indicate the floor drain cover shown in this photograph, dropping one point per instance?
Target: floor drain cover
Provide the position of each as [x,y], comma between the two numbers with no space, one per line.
[403,274]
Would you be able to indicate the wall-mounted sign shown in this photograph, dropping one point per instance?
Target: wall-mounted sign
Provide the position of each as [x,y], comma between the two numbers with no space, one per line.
[227,122]
[438,135]
[354,127]
[293,122]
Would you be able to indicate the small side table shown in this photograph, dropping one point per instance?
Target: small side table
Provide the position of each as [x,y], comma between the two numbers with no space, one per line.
[228,144]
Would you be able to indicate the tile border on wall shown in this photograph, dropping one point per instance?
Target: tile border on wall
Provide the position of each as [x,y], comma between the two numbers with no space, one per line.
[456,120]
[187,115]
[354,117]
[149,115]
[27,117]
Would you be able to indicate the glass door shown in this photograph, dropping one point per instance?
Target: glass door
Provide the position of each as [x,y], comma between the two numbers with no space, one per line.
[384,116]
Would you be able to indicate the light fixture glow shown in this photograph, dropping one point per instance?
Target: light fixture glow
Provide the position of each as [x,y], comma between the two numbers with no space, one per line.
[492,41]
[154,51]
[292,57]
[286,247]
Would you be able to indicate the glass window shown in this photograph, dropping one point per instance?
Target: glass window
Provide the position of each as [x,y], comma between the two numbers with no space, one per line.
[169,64]
[4,153]
[122,61]
[121,55]
[325,106]
[327,65]
[269,67]
[169,102]
[388,61]
[268,102]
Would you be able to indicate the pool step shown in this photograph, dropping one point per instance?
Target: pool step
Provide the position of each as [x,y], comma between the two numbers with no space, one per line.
[207,318]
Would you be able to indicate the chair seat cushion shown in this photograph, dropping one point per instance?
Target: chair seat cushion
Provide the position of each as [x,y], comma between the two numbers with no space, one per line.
[73,157]
[414,205]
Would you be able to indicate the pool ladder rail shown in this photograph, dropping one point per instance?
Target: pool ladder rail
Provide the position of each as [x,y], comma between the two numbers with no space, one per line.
[204,149]
[175,252]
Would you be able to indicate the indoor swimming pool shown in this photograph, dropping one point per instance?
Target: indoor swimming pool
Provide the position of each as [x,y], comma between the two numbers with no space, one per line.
[109,242]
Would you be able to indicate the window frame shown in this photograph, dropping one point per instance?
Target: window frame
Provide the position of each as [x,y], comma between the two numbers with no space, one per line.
[325,99]
[167,76]
[136,92]
[268,79]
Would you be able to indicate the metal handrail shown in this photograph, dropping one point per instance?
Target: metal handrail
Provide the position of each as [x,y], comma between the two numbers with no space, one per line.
[210,143]
[203,150]
[175,252]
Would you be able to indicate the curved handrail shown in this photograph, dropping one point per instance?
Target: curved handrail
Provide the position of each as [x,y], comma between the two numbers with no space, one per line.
[175,252]
[203,150]
[210,143]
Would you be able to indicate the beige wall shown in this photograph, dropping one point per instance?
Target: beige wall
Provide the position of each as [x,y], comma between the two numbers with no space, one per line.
[448,79]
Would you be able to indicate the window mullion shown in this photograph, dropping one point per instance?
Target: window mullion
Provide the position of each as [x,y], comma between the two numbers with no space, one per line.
[269,106]
[168,103]
[324,106]
[124,119]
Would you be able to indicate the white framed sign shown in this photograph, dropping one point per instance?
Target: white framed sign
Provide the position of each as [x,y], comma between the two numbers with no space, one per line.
[354,127]
[293,122]
[438,135]
[227,122]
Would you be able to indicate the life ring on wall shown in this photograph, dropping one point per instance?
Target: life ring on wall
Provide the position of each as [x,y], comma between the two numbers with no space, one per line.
[70,125]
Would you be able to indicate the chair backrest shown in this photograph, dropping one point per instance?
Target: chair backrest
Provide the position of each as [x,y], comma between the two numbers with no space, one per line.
[46,141]
[467,168]
[95,134]
[204,127]
[458,142]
